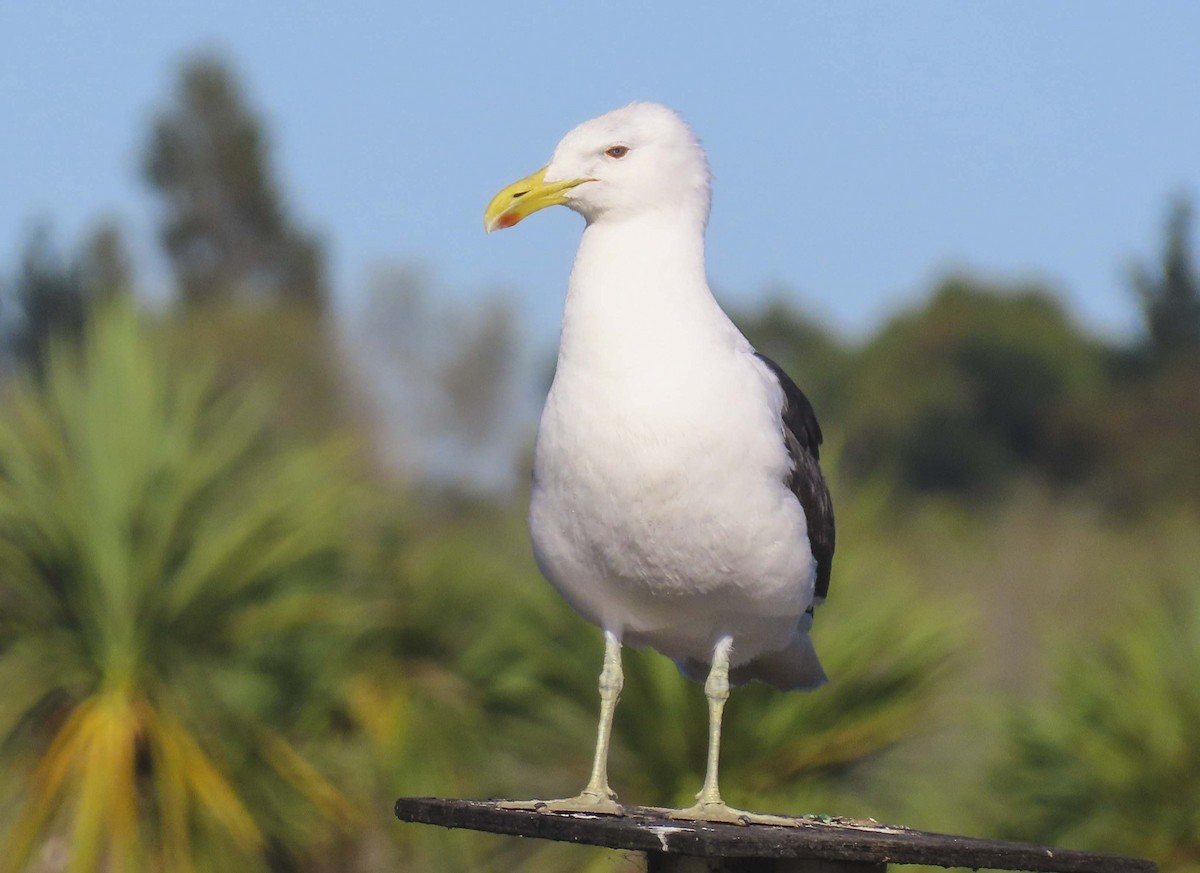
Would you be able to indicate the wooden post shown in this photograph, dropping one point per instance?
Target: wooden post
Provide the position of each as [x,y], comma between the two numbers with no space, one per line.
[660,862]
[814,845]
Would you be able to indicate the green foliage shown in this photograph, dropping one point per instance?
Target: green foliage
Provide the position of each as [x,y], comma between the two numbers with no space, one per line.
[1112,761]
[284,350]
[1146,431]
[172,635]
[1149,419]
[1170,296]
[973,388]
[225,226]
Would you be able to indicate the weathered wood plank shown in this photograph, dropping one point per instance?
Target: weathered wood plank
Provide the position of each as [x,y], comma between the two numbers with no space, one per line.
[661,862]
[647,830]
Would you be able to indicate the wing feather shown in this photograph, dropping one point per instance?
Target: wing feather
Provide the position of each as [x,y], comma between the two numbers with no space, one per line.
[802,435]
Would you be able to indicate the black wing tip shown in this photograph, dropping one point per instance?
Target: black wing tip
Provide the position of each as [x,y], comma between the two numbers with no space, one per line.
[824,571]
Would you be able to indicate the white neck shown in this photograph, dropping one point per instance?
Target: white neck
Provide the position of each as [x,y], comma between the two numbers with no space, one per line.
[638,289]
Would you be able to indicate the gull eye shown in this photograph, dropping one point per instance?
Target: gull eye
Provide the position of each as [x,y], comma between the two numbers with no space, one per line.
[617,152]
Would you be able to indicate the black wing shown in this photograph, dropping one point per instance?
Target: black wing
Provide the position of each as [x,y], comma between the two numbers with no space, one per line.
[802,435]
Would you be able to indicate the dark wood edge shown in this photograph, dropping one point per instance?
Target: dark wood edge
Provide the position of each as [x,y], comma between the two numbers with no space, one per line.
[646,829]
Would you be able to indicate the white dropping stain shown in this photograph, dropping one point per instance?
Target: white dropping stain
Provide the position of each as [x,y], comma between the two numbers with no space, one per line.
[662,831]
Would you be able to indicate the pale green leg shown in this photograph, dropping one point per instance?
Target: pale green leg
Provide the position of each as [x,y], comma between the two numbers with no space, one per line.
[597,796]
[709,806]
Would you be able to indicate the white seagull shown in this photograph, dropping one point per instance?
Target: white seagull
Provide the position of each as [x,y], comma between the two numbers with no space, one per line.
[677,502]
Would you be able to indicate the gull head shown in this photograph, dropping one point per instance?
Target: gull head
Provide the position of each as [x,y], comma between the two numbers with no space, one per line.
[632,161]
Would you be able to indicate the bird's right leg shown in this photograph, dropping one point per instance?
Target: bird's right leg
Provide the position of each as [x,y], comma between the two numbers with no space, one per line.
[597,796]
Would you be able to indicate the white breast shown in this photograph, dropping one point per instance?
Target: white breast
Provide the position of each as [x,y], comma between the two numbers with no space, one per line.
[659,507]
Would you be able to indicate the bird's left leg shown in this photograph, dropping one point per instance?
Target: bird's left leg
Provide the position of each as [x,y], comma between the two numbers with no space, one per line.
[709,806]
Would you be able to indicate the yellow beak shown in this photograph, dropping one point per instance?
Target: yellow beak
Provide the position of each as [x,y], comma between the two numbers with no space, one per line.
[525,197]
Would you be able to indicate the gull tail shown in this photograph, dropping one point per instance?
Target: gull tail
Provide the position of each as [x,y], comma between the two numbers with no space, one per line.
[795,668]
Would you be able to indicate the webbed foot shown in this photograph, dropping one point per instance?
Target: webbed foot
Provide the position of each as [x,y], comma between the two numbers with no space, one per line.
[592,802]
[718,811]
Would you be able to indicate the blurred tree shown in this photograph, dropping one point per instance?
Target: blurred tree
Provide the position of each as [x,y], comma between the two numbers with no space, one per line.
[1170,293]
[1150,417]
[283,348]
[1112,761]
[53,293]
[978,385]
[105,269]
[444,374]
[476,379]
[50,297]
[173,637]
[252,282]
[1147,427]
[225,226]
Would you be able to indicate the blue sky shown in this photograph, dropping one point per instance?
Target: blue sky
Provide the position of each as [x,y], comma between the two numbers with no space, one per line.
[859,149]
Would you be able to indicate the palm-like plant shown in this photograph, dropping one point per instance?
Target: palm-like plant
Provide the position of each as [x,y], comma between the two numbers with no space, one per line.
[1113,761]
[168,633]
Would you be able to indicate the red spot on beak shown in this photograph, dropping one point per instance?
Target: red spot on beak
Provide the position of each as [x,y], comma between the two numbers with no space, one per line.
[507,220]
